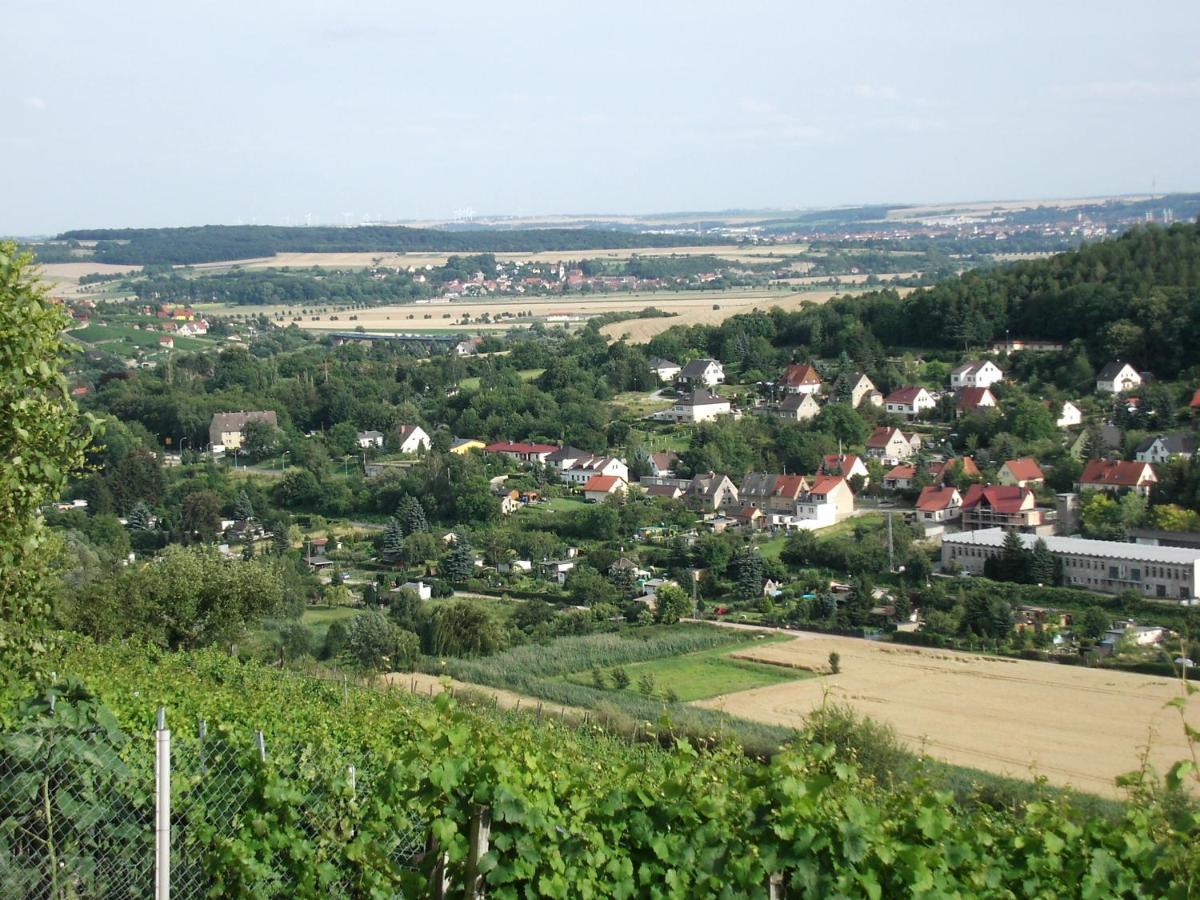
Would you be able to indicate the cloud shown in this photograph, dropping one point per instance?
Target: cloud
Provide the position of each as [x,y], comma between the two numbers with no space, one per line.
[875,92]
[1126,90]
[36,103]
[757,107]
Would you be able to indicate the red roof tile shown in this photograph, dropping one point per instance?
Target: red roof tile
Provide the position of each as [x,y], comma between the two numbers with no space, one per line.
[796,375]
[1002,498]
[934,498]
[905,395]
[1120,473]
[1025,469]
[604,483]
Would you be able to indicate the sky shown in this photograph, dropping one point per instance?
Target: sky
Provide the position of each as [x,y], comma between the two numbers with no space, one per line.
[291,111]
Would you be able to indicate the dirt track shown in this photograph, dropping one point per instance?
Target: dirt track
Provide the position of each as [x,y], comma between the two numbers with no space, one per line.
[1074,725]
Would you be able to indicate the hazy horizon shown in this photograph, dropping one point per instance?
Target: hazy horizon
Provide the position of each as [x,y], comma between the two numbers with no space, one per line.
[271,113]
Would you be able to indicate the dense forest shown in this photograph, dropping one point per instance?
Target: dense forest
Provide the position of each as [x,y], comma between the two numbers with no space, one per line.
[212,243]
[1134,298]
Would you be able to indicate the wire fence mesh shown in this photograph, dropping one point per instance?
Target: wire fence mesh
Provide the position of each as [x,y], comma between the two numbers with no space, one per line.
[77,815]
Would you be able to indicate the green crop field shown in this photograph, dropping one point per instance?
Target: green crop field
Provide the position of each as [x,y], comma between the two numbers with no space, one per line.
[135,337]
[703,673]
[472,383]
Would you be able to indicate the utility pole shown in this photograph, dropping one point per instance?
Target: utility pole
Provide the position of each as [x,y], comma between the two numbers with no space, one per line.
[891,546]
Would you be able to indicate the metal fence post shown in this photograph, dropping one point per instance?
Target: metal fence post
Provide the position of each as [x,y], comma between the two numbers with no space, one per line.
[481,832]
[162,808]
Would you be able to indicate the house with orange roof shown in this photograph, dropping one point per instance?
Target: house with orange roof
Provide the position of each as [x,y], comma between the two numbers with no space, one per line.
[937,470]
[826,502]
[848,465]
[1023,472]
[900,478]
[600,487]
[1003,506]
[938,505]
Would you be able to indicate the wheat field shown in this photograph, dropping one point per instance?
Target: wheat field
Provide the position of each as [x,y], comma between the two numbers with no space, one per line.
[1076,726]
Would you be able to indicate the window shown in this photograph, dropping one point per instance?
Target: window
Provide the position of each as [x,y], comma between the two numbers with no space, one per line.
[1160,590]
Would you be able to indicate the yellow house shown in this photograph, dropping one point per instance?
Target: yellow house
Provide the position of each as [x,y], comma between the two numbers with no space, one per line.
[466,445]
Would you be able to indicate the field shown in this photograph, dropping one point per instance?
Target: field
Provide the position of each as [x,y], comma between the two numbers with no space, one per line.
[1076,726]
[702,674]
[135,337]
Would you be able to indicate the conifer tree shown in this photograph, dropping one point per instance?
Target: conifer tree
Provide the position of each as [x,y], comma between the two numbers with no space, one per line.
[140,518]
[243,509]
[393,542]
[459,564]
[748,573]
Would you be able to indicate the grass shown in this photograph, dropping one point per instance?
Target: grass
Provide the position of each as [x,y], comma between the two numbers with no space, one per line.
[701,674]
[772,548]
[564,504]
[845,528]
[472,383]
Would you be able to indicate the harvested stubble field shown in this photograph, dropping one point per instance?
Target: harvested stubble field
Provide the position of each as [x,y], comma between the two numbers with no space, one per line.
[1076,726]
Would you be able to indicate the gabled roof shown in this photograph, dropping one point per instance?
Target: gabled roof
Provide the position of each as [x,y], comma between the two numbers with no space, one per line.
[602,483]
[790,486]
[934,498]
[972,398]
[1179,443]
[1119,473]
[1025,469]
[825,484]
[968,366]
[905,395]
[966,463]
[882,436]
[901,471]
[700,397]
[709,484]
[665,459]
[758,484]
[793,402]
[696,367]
[565,453]
[853,379]
[1001,498]
[405,430]
[798,374]
[663,490]
[657,362]
[223,423]
[369,435]
[1112,370]
[836,464]
[745,512]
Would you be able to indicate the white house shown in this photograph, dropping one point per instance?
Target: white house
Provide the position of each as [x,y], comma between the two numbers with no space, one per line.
[1165,447]
[556,569]
[891,445]
[585,469]
[420,588]
[827,501]
[977,374]
[1117,377]
[411,438]
[701,372]
[1069,415]
[795,407]
[909,401]
[370,439]
[662,464]
[938,504]
[600,487]
[664,369]
[698,406]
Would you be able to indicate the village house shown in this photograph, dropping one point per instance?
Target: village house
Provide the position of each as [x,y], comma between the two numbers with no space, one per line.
[698,406]
[662,464]
[1069,415]
[848,465]
[900,478]
[1011,508]
[370,439]
[706,373]
[796,407]
[909,401]
[668,491]
[166,342]
[711,491]
[1117,378]
[600,487]
[1165,447]
[411,439]
[1109,567]
[975,374]
[965,464]
[556,569]
[800,379]
[890,445]
[970,399]
[1117,475]
[826,502]
[854,388]
[664,369]
[521,452]
[227,430]
[938,505]
[1023,472]
[772,493]
[585,469]
[461,446]
[564,458]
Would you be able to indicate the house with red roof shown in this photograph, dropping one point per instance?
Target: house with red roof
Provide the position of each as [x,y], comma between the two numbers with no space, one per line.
[937,505]
[890,445]
[1023,472]
[521,452]
[971,399]
[599,487]
[662,464]
[847,465]
[166,342]
[1114,475]
[772,493]
[909,401]
[800,379]
[826,502]
[1003,506]
[900,477]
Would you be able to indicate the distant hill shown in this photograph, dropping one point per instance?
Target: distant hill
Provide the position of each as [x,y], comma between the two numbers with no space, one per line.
[214,243]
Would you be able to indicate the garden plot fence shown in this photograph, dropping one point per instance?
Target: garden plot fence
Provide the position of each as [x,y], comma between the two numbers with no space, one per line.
[80,818]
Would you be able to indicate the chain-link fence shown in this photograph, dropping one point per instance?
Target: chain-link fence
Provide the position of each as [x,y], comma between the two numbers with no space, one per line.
[82,818]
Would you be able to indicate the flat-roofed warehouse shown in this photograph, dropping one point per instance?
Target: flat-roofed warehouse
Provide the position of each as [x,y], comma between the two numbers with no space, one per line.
[1109,567]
